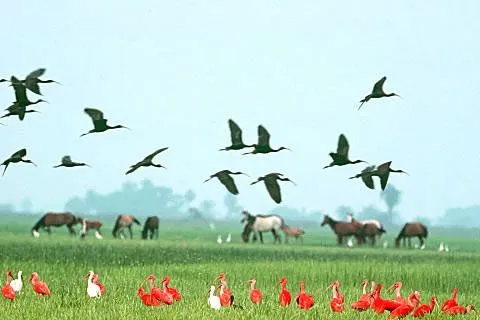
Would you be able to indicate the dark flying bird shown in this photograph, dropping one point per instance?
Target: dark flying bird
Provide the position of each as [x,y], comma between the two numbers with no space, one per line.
[224,177]
[382,171]
[147,162]
[16,158]
[67,162]
[17,110]
[99,122]
[377,92]
[235,137]
[367,176]
[21,93]
[33,79]
[272,185]
[263,144]
[340,158]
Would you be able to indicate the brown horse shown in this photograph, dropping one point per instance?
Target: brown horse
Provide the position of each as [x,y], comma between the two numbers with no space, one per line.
[344,229]
[51,219]
[293,232]
[124,221]
[370,230]
[89,225]
[151,224]
[412,229]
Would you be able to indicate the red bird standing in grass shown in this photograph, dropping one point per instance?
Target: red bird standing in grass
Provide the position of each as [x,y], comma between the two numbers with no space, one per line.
[159,294]
[40,287]
[336,303]
[423,309]
[380,305]
[172,291]
[450,302]
[7,290]
[102,288]
[255,294]
[304,300]
[363,303]
[285,296]
[459,310]
[226,297]
[405,309]
[147,298]
[397,286]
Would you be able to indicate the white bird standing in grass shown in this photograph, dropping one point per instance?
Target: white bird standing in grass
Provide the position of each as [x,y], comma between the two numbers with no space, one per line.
[93,290]
[229,238]
[385,244]
[213,300]
[219,239]
[441,248]
[350,243]
[17,284]
[446,248]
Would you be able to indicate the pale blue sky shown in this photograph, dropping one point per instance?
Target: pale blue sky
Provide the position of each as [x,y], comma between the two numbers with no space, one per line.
[175,71]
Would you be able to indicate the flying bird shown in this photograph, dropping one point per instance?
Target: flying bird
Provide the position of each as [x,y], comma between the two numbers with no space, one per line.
[377,92]
[367,176]
[33,79]
[224,177]
[21,93]
[99,122]
[147,162]
[263,144]
[16,158]
[382,172]
[340,158]
[235,137]
[67,162]
[17,110]
[273,188]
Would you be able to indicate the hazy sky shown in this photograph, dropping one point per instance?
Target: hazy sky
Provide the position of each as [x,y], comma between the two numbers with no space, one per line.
[175,71]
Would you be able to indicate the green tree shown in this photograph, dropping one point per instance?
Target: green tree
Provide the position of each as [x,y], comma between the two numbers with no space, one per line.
[391,196]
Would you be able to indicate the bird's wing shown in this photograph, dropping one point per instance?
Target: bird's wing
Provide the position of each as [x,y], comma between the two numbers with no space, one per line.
[378,87]
[36,73]
[383,172]
[343,146]
[66,160]
[263,136]
[228,182]
[368,180]
[20,90]
[150,157]
[94,114]
[235,132]
[273,189]
[20,153]
[384,179]
[384,167]
[368,169]
[132,168]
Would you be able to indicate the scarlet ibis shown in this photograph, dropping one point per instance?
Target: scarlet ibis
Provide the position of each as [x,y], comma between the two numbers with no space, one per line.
[285,297]
[340,158]
[159,294]
[271,183]
[226,297]
[40,287]
[147,298]
[263,143]
[93,290]
[380,305]
[377,92]
[16,158]
[99,122]
[255,294]
[336,303]
[405,309]
[7,290]
[68,163]
[100,285]
[449,303]
[303,299]
[397,286]
[225,178]
[147,161]
[172,291]
[235,137]
[17,284]
[33,79]
[363,303]
[423,309]
[459,309]
[213,300]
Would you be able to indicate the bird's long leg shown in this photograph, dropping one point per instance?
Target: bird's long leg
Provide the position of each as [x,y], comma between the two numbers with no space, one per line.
[251,152]
[85,134]
[330,165]
[208,179]
[362,102]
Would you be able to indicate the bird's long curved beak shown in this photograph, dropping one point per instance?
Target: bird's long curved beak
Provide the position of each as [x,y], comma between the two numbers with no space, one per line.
[245,174]
[292,182]
[331,285]
[126,128]
[88,165]
[34,164]
[207,180]
[390,288]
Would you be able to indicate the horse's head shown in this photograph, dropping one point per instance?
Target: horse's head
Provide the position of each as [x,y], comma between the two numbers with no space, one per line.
[245,216]
[326,220]
[246,233]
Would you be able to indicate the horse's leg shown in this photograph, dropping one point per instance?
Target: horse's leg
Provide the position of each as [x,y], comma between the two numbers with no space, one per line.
[421,241]
[339,240]
[286,238]
[130,231]
[409,242]
[49,231]
[156,233]
[70,229]
[374,241]
[261,236]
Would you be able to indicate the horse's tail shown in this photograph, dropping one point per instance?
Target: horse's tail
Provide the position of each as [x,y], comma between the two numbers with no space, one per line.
[425,231]
[382,230]
[136,221]
[115,228]
[39,224]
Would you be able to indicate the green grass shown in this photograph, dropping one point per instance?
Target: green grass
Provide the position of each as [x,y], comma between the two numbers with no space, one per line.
[188,253]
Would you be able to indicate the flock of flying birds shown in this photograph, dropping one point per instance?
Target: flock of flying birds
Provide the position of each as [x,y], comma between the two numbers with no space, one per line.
[339,158]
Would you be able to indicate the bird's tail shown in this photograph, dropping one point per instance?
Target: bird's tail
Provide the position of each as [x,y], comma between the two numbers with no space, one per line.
[425,231]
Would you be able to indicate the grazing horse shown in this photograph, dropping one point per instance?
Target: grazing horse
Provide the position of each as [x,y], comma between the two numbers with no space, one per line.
[412,229]
[371,231]
[262,223]
[124,221]
[293,232]
[89,225]
[151,224]
[51,219]
[371,221]
[344,229]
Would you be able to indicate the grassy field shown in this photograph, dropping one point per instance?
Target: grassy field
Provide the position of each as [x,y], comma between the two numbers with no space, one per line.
[189,254]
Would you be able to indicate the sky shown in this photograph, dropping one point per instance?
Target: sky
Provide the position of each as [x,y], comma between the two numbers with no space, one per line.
[176,71]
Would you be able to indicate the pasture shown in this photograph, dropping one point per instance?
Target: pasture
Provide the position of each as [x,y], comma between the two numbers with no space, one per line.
[189,254]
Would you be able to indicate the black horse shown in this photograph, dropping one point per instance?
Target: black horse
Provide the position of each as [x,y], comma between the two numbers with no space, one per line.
[151,224]
[51,219]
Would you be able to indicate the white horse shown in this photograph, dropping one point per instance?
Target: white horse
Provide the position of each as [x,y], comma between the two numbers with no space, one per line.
[371,221]
[261,223]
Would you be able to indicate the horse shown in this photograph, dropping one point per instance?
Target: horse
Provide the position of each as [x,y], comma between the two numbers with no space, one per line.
[89,225]
[124,221]
[51,219]
[377,223]
[344,229]
[371,231]
[412,229]
[293,232]
[261,223]
[151,224]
